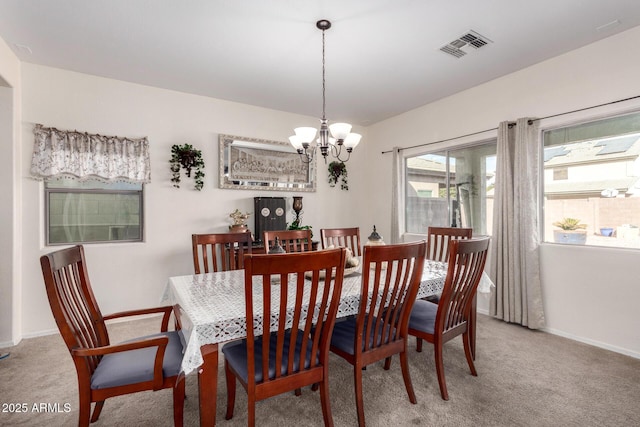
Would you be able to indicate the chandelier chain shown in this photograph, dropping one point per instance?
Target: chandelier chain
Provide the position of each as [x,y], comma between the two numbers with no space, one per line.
[324,104]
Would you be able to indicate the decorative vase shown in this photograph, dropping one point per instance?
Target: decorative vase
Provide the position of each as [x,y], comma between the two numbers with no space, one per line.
[570,237]
[297,208]
[238,228]
[606,231]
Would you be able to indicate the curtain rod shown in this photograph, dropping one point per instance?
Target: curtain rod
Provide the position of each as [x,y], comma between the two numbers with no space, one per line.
[584,109]
[513,124]
[442,140]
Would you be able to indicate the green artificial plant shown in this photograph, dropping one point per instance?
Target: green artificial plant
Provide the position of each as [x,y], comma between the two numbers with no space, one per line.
[295,225]
[338,170]
[569,224]
[188,158]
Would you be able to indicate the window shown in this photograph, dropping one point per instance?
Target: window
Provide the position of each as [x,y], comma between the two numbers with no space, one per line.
[451,188]
[93,185]
[592,174]
[92,211]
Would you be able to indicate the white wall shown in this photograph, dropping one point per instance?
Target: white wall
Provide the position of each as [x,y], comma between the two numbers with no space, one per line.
[132,275]
[590,294]
[10,219]
[6,213]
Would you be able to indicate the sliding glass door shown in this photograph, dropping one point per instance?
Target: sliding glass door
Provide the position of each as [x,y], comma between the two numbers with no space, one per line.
[452,188]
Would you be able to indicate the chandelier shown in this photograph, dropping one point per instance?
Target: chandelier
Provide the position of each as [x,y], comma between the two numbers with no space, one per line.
[341,135]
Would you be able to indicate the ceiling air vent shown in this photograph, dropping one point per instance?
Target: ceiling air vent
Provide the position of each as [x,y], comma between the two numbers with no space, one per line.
[466,43]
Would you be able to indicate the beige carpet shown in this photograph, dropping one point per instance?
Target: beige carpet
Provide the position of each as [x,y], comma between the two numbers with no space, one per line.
[526,378]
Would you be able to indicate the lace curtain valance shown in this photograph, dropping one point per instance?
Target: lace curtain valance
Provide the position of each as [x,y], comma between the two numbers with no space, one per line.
[71,154]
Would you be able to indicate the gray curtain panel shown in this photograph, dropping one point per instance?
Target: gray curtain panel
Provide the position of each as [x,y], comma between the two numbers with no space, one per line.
[396,197]
[515,268]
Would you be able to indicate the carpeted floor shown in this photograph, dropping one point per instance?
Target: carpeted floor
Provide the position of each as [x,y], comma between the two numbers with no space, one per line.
[526,378]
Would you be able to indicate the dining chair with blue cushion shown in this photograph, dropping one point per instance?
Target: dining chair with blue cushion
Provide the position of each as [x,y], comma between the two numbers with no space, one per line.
[289,348]
[105,370]
[439,323]
[438,245]
[391,277]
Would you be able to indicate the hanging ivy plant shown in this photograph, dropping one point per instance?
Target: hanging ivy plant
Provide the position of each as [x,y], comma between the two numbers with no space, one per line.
[188,158]
[338,170]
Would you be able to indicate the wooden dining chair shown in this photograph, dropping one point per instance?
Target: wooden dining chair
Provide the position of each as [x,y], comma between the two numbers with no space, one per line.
[439,323]
[220,252]
[438,244]
[391,277]
[290,240]
[103,369]
[439,241]
[296,352]
[342,237]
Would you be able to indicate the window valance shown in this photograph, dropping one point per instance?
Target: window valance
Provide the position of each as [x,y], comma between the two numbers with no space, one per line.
[72,154]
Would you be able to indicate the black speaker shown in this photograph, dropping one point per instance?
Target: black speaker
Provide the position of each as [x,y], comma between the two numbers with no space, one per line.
[269,215]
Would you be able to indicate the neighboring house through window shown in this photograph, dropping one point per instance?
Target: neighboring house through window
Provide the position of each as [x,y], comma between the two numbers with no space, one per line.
[592,174]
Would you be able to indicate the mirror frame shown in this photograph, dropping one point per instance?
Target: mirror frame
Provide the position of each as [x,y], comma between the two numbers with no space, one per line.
[274,151]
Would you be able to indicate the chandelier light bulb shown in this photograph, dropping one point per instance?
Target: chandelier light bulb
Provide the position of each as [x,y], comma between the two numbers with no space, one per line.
[306,134]
[340,131]
[295,141]
[352,140]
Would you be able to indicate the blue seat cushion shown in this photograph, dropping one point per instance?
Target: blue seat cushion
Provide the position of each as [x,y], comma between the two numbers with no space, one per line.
[344,335]
[134,366]
[423,316]
[434,298]
[235,354]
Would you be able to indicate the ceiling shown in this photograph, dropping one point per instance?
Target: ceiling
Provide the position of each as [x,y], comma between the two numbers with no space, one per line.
[382,57]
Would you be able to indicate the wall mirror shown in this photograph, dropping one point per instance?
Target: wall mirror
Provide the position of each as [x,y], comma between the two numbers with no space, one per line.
[258,164]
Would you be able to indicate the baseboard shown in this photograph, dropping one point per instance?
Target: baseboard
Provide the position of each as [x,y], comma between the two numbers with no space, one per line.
[40,333]
[594,343]
[6,344]
[55,331]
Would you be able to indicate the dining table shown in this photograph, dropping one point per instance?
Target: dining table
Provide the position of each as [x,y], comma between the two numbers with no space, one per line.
[211,312]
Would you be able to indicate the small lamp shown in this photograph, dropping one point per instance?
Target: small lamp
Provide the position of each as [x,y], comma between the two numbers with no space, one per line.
[374,238]
[277,248]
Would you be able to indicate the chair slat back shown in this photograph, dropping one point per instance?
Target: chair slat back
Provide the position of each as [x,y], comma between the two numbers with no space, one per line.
[390,281]
[439,241]
[220,252]
[466,265]
[290,240]
[342,237]
[72,302]
[277,284]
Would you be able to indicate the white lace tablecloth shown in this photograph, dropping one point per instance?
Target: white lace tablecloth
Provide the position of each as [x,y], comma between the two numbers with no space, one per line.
[212,305]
